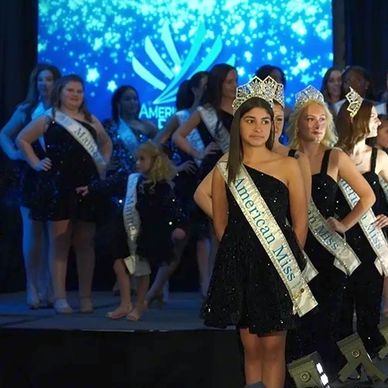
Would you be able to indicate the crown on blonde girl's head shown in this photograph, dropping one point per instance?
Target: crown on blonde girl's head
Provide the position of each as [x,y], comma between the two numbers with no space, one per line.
[162,168]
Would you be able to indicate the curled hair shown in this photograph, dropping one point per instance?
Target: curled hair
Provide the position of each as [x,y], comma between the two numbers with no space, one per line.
[293,130]
[32,97]
[57,90]
[115,101]
[236,150]
[161,168]
[351,131]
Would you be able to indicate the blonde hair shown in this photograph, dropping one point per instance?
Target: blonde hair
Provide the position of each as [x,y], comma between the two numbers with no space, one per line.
[161,168]
[330,137]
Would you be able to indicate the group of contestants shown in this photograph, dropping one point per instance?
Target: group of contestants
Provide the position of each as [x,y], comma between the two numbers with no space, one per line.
[281,242]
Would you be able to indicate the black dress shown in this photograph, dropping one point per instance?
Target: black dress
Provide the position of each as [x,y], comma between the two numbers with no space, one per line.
[245,289]
[364,288]
[71,167]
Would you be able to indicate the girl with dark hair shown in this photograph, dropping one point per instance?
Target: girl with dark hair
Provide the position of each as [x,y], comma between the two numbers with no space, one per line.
[356,121]
[41,83]
[331,87]
[254,190]
[212,119]
[77,151]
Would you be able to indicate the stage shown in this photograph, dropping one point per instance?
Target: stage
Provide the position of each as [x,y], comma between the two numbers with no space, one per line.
[169,347]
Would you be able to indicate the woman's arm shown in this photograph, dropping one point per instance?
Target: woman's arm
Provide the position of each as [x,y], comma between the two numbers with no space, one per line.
[170,127]
[348,172]
[304,166]
[203,195]
[29,135]
[103,140]
[179,136]
[298,201]
[9,132]
[219,204]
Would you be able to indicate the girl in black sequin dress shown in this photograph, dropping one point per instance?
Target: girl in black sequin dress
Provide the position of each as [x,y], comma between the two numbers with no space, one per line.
[311,131]
[25,182]
[245,289]
[160,222]
[365,286]
[68,164]
[212,119]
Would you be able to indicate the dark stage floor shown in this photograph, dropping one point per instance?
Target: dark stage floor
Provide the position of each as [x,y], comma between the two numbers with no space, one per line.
[169,347]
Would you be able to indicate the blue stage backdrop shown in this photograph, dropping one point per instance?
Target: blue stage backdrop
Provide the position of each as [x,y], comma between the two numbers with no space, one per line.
[155,45]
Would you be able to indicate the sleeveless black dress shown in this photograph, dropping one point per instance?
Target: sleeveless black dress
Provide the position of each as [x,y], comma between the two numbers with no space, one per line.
[72,166]
[245,289]
[364,288]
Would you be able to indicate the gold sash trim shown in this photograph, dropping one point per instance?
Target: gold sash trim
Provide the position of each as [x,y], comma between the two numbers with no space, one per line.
[345,258]
[271,238]
[220,134]
[131,221]
[83,136]
[374,235]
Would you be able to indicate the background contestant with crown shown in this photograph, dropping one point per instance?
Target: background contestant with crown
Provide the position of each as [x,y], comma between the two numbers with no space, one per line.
[356,121]
[311,131]
[257,284]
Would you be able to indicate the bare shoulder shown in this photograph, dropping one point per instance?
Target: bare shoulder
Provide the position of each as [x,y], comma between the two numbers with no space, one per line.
[381,161]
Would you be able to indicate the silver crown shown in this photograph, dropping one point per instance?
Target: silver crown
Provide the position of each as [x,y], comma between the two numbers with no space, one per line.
[355,101]
[308,94]
[256,87]
[279,94]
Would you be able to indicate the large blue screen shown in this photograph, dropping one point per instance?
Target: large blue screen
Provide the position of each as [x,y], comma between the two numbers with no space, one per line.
[155,44]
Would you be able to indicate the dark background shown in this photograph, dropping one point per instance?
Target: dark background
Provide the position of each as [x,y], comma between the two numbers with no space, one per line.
[360,37]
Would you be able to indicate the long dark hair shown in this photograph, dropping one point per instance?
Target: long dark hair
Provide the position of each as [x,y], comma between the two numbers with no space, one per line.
[325,79]
[115,100]
[32,97]
[235,148]
[57,90]
[351,131]
[185,96]
[217,76]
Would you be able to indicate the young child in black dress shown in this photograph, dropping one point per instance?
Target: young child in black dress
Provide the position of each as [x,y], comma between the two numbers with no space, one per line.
[141,234]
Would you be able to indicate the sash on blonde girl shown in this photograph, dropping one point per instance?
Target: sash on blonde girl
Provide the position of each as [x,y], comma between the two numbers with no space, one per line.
[82,135]
[345,258]
[374,235]
[271,238]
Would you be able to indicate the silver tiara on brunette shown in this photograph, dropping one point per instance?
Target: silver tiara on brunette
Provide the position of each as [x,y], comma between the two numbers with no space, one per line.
[308,94]
[355,101]
[256,87]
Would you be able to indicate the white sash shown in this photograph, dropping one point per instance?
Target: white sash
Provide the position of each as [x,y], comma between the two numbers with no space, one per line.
[220,134]
[194,138]
[345,258]
[128,137]
[384,186]
[271,238]
[374,235]
[83,136]
[131,221]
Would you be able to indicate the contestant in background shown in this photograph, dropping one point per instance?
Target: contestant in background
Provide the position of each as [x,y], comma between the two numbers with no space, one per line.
[356,121]
[38,285]
[212,119]
[77,151]
[248,288]
[311,131]
[331,87]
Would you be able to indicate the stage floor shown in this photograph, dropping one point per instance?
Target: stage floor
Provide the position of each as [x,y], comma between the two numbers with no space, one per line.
[173,324]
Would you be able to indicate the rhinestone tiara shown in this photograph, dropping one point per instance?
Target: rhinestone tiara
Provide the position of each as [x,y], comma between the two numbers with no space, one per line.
[308,94]
[265,89]
[355,101]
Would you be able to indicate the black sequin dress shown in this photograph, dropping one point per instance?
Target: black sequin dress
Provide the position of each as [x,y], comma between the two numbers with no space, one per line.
[72,167]
[245,288]
[364,288]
